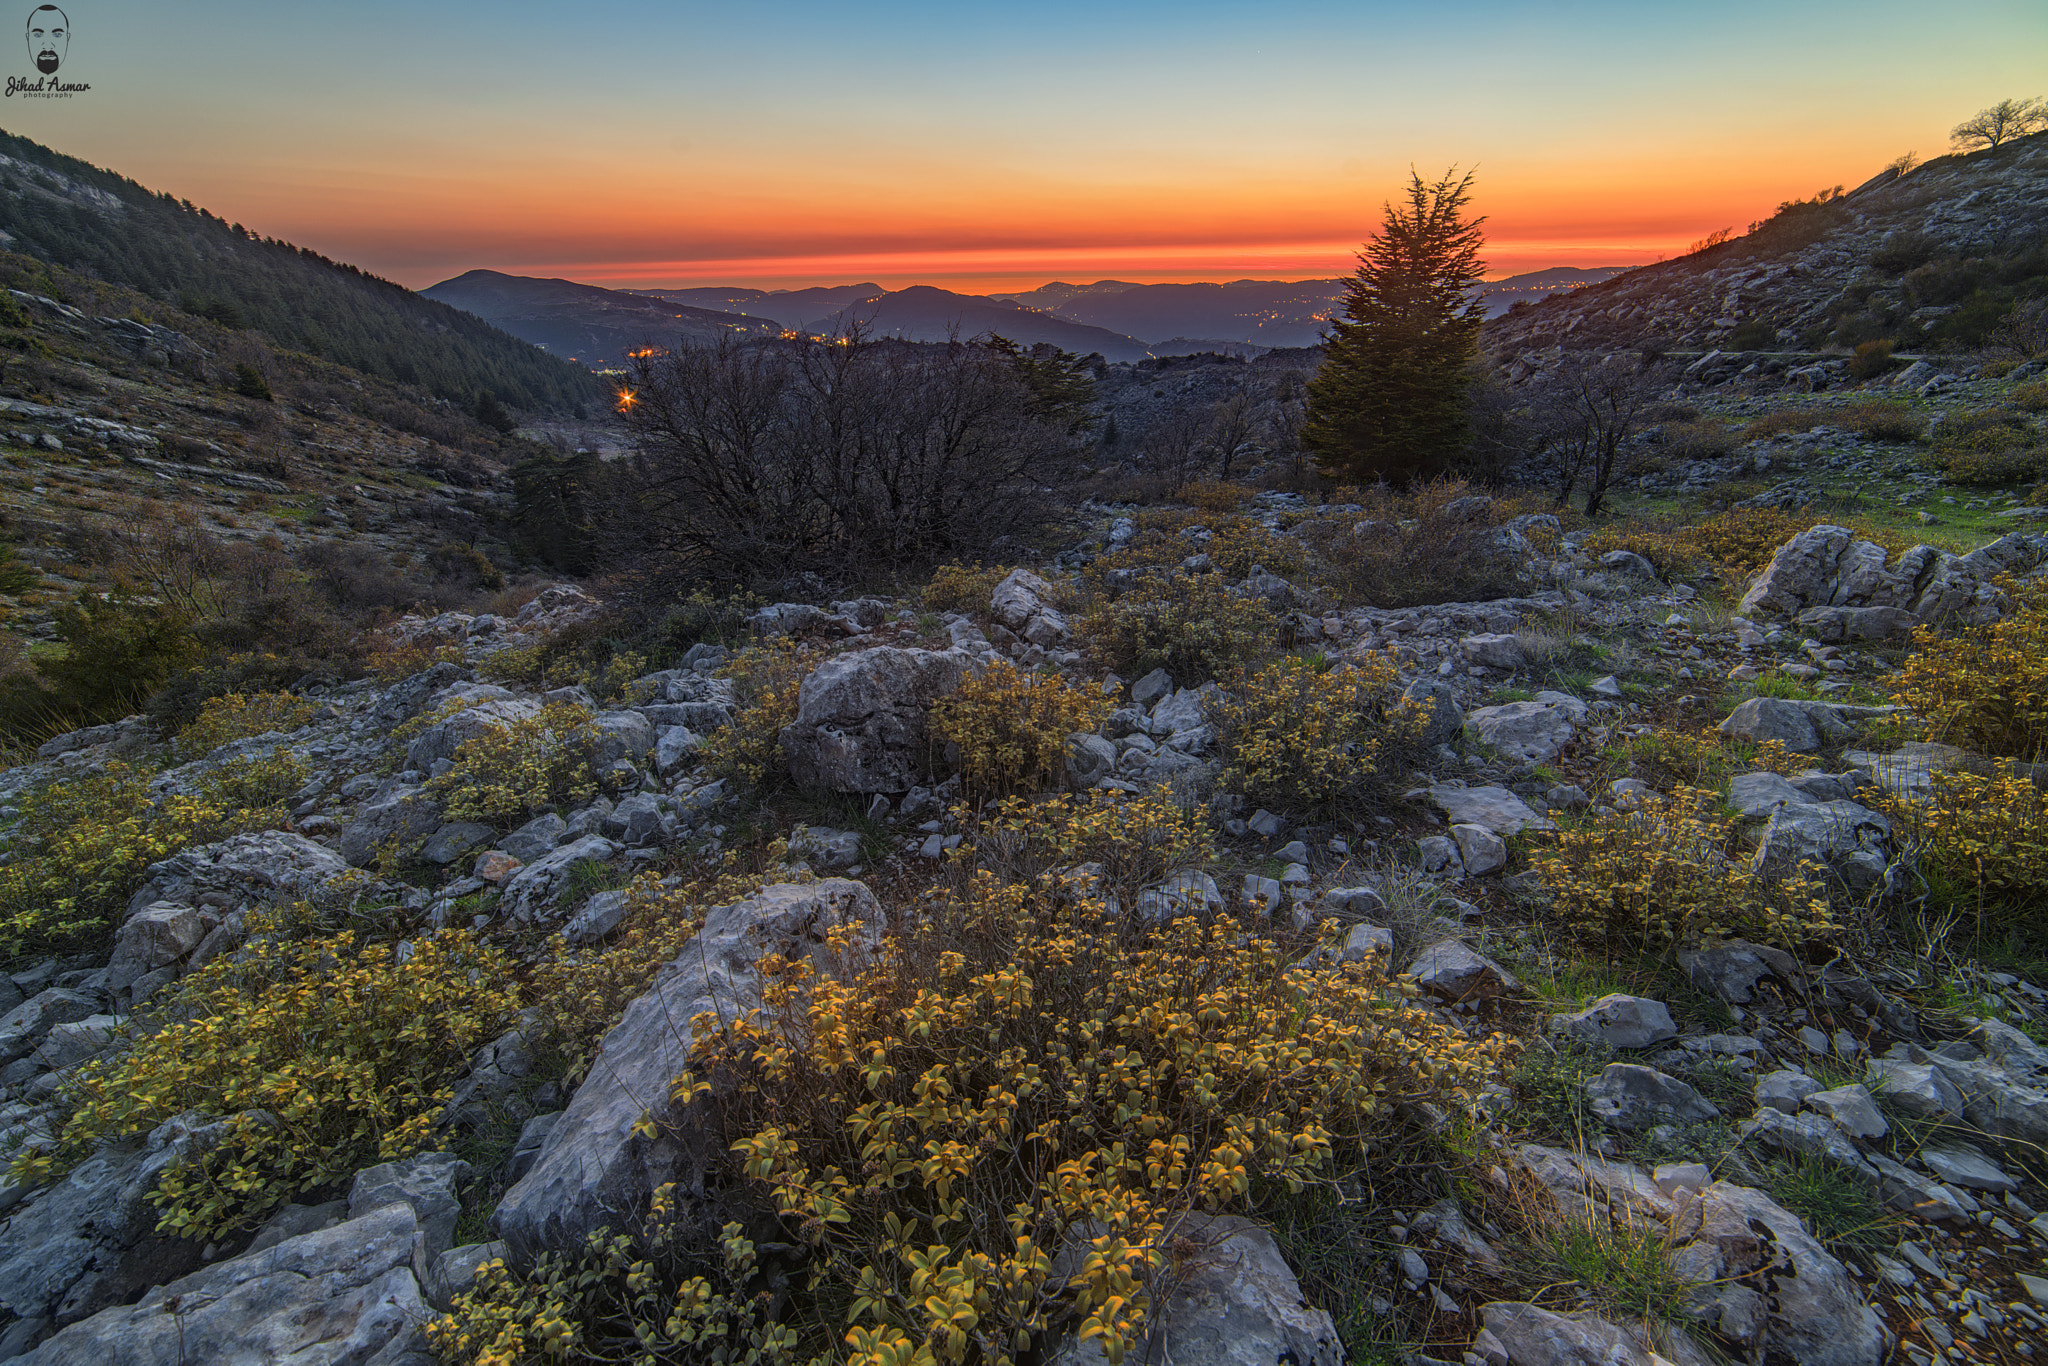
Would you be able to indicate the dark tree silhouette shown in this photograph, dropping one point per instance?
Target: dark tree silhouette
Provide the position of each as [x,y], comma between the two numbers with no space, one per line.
[1389,401]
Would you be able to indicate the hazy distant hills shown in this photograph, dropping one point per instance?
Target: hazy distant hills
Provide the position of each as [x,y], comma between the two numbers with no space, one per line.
[75,215]
[597,326]
[1119,320]
[792,308]
[1264,312]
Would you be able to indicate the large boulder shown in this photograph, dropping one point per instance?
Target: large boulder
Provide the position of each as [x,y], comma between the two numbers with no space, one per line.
[1630,1096]
[90,1239]
[343,1296]
[158,936]
[1023,602]
[1620,1021]
[1767,1285]
[1233,1303]
[1533,732]
[401,813]
[1829,567]
[542,885]
[485,708]
[1493,808]
[861,720]
[598,1165]
[1801,726]
[262,868]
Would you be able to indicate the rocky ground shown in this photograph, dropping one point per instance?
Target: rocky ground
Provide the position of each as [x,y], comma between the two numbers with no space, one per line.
[1838,1065]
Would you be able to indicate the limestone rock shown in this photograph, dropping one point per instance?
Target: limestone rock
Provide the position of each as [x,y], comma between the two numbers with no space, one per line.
[1732,1239]
[1532,732]
[1620,1021]
[403,813]
[158,936]
[1852,1109]
[1629,1096]
[861,718]
[1480,849]
[1732,969]
[263,867]
[1455,972]
[1023,602]
[344,1296]
[488,708]
[593,1170]
[1236,1304]
[1492,808]
[539,886]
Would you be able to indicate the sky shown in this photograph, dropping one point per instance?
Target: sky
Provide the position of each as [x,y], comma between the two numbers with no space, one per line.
[990,147]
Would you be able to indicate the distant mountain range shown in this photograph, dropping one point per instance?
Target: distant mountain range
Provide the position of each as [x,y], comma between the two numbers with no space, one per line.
[1115,318]
[600,327]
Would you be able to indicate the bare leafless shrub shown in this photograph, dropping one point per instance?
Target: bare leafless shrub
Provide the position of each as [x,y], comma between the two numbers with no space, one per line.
[755,462]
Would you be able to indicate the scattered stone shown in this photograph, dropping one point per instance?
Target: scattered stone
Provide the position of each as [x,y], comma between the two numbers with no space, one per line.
[861,718]
[1620,1021]
[1852,1108]
[1960,1164]
[1479,849]
[1490,808]
[1786,1091]
[1629,1096]
[1454,972]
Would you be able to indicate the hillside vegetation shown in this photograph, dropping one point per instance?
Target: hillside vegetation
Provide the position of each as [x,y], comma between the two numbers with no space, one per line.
[67,212]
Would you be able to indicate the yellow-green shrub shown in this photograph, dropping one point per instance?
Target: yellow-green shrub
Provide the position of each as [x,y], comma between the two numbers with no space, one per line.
[81,846]
[1984,688]
[323,1055]
[2032,397]
[632,1301]
[961,588]
[1987,838]
[1666,874]
[1128,842]
[237,716]
[1021,1073]
[506,774]
[768,680]
[1012,727]
[1191,625]
[1295,737]
[1240,545]
[1214,495]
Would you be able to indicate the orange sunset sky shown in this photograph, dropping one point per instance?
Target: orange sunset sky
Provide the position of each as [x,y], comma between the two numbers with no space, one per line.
[998,147]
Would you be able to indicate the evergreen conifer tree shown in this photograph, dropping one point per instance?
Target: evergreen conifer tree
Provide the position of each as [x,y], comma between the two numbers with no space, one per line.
[1389,401]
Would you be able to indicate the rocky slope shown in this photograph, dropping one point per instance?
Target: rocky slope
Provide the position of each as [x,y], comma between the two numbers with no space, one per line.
[1792,1052]
[1796,276]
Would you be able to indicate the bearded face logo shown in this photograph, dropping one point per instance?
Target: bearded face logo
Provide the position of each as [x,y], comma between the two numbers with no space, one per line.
[49,34]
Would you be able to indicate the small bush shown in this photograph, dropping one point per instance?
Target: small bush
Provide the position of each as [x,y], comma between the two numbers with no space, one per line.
[1103,842]
[749,751]
[505,775]
[961,588]
[1667,874]
[1985,840]
[1880,421]
[322,1056]
[1984,688]
[80,848]
[1295,738]
[1440,544]
[2032,397]
[1702,440]
[1012,728]
[1214,495]
[621,1299]
[1020,1071]
[1239,546]
[1872,358]
[1191,625]
[237,716]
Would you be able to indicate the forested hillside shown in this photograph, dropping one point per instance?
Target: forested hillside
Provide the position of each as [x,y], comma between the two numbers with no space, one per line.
[68,212]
